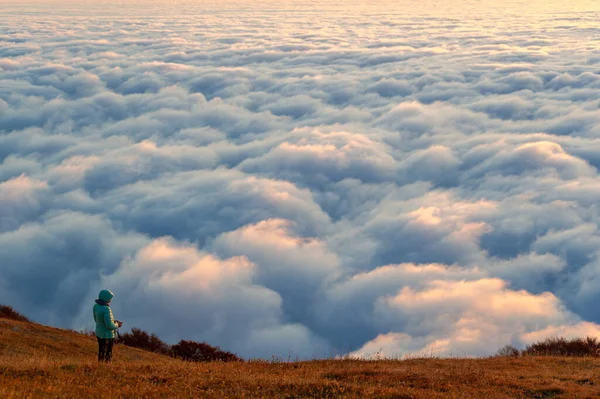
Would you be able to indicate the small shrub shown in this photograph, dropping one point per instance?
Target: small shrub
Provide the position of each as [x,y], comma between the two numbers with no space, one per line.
[138,338]
[508,351]
[184,350]
[580,347]
[201,352]
[7,312]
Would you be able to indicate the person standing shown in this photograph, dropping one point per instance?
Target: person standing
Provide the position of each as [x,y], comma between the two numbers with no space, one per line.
[105,325]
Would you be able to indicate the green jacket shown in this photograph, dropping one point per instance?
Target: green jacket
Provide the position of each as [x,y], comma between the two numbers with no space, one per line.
[105,323]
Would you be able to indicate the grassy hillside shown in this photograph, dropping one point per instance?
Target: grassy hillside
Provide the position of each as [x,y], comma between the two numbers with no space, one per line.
[38,361]
[30,341]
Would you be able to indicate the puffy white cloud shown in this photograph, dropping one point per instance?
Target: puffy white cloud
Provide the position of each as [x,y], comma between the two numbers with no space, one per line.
[21,199]
[314,158]
[49,265]
[297,268]
[198,205]
[313,181]
[432,228]
[172,288]
[534,157]
[457,318]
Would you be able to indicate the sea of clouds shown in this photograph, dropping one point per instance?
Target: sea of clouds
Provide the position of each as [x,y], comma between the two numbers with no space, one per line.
[302,178]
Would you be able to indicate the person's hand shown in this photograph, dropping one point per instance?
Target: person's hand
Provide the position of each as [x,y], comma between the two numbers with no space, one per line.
[118,323]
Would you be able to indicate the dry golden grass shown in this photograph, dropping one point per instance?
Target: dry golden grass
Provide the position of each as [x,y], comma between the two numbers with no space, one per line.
[35,341]
[67,370]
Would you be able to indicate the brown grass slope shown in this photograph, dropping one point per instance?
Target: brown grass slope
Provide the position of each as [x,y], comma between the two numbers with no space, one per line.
[44,362]
[28,340]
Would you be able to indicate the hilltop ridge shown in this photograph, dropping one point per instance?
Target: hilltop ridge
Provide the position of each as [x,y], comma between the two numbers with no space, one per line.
[38,361]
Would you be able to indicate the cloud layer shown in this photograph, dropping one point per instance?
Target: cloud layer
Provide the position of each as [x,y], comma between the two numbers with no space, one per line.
[303,178]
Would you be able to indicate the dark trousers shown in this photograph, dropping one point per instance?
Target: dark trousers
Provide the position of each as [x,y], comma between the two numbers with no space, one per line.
[105,349]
